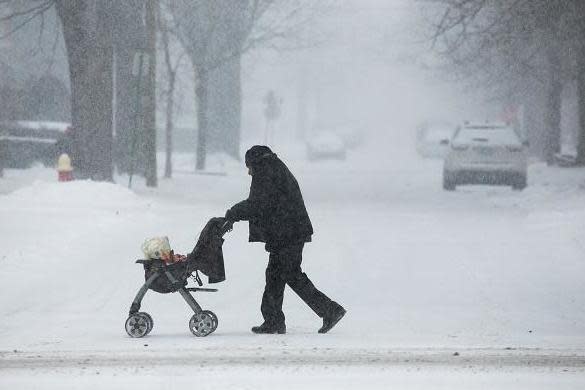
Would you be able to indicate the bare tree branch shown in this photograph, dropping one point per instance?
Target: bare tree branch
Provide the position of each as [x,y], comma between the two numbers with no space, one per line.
[29,15]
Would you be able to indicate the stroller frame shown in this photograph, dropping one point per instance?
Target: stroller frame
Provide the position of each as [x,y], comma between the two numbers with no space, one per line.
[161,271]
[203,322]
[139,324]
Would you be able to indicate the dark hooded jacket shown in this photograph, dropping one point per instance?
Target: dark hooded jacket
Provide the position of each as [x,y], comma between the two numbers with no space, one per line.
[275,208]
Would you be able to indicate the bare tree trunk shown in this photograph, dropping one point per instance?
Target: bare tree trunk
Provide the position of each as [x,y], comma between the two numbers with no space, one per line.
[129,40]
[169,125]
[2,157]
[234,136]
[170,103]
[553,106]
[125,108]
[149,145]
[87,35]
[202,94]
[581,102]
[1,160]
[534,120]
[100,143]
[225,108]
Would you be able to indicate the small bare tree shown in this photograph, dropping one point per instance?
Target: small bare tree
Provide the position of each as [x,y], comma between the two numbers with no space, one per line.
[215,35]
[513,48]
[172,65]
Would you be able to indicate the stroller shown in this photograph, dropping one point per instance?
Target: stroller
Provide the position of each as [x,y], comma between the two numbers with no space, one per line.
[164,277]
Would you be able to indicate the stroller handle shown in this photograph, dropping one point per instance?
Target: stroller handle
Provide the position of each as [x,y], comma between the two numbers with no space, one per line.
[226,226]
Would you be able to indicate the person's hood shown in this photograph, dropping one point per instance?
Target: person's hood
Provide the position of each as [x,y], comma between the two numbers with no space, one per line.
[256,154]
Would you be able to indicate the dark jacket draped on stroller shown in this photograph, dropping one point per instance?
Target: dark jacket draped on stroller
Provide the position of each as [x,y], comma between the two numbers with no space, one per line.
[206,257]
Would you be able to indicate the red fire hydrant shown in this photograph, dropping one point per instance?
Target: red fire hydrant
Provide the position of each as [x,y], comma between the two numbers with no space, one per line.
[64,168]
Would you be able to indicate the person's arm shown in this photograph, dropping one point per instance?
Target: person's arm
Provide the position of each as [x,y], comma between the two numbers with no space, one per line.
[239,212]
[258,201]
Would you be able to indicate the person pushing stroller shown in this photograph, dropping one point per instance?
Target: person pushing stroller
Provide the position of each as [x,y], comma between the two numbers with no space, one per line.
[277,216]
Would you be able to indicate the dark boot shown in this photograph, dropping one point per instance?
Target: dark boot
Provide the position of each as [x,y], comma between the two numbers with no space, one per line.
[332,318]
[269,329]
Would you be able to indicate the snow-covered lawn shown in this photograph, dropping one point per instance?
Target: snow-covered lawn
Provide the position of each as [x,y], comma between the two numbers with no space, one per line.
[482,271]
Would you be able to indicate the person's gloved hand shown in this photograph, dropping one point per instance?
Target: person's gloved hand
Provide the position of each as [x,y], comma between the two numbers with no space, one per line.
[229,225]
[229,216]
[229,221]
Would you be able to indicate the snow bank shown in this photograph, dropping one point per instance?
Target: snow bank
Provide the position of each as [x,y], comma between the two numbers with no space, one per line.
[78,194]
[61,244]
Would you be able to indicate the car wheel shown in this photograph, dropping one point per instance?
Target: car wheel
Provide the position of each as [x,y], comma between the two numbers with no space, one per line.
[519,183]
[449,183]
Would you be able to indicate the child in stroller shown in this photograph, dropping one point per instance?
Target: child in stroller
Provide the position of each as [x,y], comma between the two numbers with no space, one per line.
[166,272]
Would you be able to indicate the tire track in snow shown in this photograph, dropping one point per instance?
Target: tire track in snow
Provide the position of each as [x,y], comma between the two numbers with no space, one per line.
[465,358]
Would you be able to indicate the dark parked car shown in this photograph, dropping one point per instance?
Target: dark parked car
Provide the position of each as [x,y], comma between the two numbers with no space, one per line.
[23,143]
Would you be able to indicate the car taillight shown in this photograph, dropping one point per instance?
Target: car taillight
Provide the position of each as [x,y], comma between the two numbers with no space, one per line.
[459,147]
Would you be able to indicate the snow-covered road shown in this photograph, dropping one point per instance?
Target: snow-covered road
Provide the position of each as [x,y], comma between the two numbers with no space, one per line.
[556,360]
[493,274]
[289,368]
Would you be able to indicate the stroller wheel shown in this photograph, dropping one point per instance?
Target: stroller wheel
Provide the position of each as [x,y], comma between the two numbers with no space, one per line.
[202,324]
[137,325]
[213,317]
[149,320]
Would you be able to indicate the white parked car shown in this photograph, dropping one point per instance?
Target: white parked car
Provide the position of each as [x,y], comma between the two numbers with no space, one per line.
[485,153]
[326,145]
[432,140]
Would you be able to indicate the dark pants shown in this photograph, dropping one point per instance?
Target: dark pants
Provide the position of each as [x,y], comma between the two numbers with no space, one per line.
[284,267]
